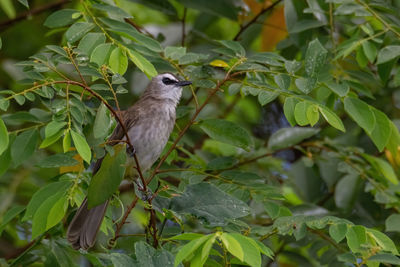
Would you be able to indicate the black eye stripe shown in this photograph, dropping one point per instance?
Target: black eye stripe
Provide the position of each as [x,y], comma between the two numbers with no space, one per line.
[168,81]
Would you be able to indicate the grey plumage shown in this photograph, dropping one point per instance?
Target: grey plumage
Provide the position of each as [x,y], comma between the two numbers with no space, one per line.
[149,123]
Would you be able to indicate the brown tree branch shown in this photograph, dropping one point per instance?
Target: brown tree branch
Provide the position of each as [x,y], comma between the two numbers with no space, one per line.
[254,19]
[7,23]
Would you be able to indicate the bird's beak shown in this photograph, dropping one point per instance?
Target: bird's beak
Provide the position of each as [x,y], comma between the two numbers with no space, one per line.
[183,83]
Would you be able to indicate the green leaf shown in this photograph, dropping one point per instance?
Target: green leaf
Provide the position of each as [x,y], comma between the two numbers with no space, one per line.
[54,127]
[341,89]
[42,194]
[385,258]
[112,11]
[232,245]
[264,249]
[287,137]
[142,63]
[185,251]
[385,70]
[283,81]
[20,99]
[90,41]
[306,85]
[272,209]
[122,260]
[207,248]
[332,118]
[382,131]
[49,213]
[101,123]
[4,104]
[393,223]
[265,97]
[303,25]
[24,146]
[101,54]
[347,191]
[221,163]
[227,132]
[186,236]
[338,231]
[8,8]
[51,139]
[209,203]
[288,109]
[67,142]
[81,146]
[360,112]
[61,18]
[362,60]
[77,31]
[300,113]
[102,187]
[136,36]
[383,167]
[147,256]
[3,137]
[388,53]
[251,252]
[10,215]
[313,114]
[370,50]
[383,241]
[24,3]
[236,47]
[315,58]
[57,160]
[5,159]
[356,236]
[118,61]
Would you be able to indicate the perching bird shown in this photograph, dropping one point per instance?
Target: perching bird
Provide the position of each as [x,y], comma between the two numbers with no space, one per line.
[149,123]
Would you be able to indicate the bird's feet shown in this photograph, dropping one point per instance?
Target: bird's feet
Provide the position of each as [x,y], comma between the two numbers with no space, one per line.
[144,194]
[131,151]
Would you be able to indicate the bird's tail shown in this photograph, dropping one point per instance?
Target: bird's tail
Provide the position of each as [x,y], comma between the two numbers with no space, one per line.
[84,226]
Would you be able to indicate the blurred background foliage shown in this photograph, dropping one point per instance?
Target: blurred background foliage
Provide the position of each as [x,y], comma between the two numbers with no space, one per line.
[315,196]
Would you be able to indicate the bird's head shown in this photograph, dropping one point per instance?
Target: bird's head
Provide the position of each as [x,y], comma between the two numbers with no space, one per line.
[167,86]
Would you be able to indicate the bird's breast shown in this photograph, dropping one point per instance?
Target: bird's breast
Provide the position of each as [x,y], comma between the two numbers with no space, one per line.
[150,133]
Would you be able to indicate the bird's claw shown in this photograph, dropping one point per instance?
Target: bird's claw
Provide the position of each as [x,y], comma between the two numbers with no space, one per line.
[145,194]
[131,151]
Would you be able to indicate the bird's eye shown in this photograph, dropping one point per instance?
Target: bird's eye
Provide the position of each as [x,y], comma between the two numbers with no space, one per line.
[168,81]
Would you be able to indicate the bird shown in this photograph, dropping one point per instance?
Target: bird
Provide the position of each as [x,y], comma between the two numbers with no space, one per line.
[149,123]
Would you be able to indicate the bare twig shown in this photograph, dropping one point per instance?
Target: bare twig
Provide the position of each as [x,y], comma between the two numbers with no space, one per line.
[254,19]
[138,28]
[7,23]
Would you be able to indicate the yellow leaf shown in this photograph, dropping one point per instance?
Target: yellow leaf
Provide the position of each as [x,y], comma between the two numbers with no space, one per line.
[219,63]
[75,168]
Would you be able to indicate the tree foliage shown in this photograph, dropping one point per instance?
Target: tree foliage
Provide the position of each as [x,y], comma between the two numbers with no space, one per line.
[285,149]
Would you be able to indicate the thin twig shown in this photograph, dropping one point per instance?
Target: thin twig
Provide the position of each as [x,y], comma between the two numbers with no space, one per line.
[376,15]
[138,28]
[103,71]
[5,24]
[254,19]
[327,238]
[122,222]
